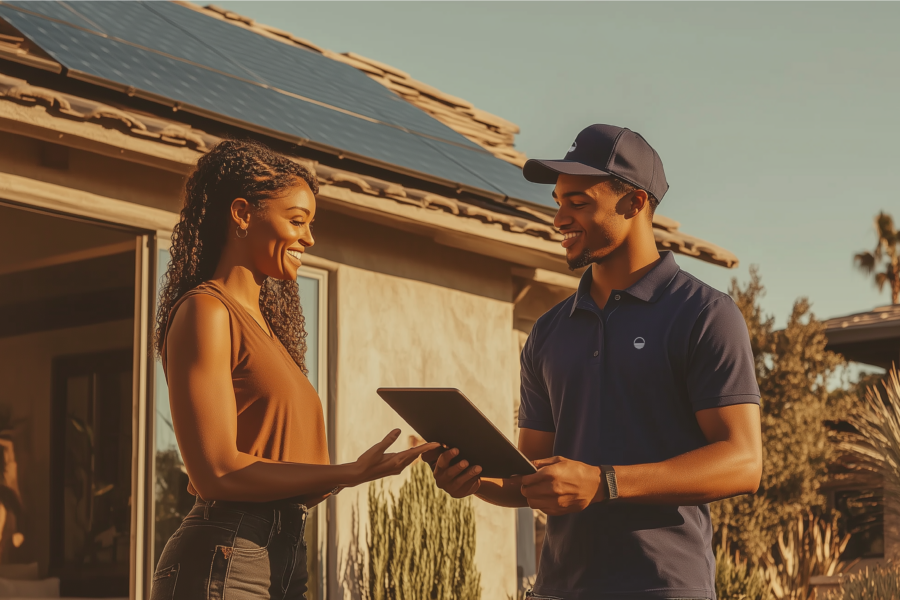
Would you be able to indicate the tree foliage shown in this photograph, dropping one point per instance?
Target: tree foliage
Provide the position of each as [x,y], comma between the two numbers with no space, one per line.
[886,254]
[793,370]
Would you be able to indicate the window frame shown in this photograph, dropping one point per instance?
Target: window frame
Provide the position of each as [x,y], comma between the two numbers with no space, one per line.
[321,275]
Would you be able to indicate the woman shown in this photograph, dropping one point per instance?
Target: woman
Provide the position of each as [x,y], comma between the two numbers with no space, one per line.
[249,425]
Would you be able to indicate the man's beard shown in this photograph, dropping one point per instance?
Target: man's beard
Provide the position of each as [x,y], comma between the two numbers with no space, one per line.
[584,259]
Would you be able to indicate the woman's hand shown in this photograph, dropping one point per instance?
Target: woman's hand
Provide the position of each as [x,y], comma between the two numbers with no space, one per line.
[375,464]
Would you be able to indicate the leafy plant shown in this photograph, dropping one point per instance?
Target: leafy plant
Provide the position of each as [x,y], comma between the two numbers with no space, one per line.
[421,543]
[887,252]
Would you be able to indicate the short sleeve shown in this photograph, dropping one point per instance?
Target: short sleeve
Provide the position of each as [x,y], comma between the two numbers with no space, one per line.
[720,369]
[534,410]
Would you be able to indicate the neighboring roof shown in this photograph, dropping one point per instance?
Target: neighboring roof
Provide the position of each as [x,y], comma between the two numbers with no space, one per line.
[179,143]
[871,337]
[176,56]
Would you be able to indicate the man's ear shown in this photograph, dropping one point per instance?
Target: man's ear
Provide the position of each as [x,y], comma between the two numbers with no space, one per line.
[240,211]
[640,201]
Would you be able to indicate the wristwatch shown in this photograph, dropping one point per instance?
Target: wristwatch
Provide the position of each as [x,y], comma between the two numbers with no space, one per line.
[610,486]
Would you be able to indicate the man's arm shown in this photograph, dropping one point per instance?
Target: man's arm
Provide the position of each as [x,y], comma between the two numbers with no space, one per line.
[460,480]
[729,465]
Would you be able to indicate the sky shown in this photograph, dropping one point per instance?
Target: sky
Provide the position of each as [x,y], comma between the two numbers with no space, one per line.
[777,123]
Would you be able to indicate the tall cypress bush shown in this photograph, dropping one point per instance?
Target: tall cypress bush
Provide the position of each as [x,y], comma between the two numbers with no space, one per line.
[421,543]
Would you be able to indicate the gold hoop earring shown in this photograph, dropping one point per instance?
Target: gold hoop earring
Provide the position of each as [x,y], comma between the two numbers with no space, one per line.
[238,232]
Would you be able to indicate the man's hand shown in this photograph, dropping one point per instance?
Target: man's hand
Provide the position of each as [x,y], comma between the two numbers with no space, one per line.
[562,486]
[457,480]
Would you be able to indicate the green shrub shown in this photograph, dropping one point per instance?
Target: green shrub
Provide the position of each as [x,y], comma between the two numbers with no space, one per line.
[881,583]
[736,580]
[421,543]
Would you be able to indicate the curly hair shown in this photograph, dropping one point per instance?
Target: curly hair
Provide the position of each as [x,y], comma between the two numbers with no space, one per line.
[232,169]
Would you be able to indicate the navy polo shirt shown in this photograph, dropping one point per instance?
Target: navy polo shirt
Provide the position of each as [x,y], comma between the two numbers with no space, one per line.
[620,386]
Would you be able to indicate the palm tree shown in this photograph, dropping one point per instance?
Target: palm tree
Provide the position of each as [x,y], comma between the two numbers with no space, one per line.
[886,251]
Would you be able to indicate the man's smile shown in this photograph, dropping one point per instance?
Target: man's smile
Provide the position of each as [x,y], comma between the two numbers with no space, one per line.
[570,238]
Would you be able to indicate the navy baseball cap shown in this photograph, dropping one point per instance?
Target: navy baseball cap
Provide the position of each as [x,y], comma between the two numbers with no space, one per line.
[606,150]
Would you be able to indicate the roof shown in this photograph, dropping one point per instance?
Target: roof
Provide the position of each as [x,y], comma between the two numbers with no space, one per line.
[179,143]
[189,60]
[870,337]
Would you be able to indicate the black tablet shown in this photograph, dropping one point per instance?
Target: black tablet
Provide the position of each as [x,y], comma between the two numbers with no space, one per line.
[446,416]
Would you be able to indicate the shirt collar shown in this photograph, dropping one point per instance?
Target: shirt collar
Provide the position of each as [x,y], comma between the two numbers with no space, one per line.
[648,288]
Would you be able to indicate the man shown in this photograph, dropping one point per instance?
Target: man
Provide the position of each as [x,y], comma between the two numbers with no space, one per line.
[639,395]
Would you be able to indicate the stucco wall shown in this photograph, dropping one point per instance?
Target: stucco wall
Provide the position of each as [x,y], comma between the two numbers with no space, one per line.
[394,331]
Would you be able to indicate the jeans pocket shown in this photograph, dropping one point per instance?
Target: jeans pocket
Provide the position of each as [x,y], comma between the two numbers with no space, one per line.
[254,534]
[164,583]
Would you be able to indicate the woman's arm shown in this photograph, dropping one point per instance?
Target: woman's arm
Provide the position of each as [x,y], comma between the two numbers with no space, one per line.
[204,414]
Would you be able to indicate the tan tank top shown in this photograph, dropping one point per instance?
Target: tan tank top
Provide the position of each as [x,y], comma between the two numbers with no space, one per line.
[279,414]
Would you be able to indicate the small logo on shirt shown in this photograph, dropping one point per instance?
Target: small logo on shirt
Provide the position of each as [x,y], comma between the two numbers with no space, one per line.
[574,145]
[639,342]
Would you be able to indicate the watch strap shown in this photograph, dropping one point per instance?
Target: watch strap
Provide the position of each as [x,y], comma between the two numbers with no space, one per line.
[610,485]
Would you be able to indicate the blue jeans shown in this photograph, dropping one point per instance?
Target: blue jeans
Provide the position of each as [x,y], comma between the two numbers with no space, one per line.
[242,550]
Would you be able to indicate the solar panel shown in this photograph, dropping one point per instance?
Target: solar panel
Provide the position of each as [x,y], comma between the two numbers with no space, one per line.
[133,22]
[183,33]
[305,73]
[239,74]
[58,11]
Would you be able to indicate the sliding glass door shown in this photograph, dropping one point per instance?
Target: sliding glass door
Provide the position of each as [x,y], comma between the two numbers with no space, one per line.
[68,298]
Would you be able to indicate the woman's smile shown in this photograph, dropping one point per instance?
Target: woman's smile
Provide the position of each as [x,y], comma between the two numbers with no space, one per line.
[296,255]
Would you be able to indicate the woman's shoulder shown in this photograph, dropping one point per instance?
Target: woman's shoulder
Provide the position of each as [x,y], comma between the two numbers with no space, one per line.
[202,307]
[202,318]
[199,321]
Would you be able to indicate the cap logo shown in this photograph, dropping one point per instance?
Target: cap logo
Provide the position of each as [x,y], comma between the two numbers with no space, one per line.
[574,145]
[639,343]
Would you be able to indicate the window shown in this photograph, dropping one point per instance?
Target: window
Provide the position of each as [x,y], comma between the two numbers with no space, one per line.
[863,512]
[172,501]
